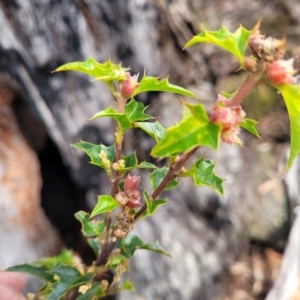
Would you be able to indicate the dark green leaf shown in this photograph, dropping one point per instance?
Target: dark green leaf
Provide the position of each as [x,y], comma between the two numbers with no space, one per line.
[132,242]
[135,111]
[93,152]
[130,161]
[105,203]
[155,130]
[90,228]
[203,174]
[157,176]
[149,84]
[249,125]
[94,244]
[152,205]
[236,43]
[122,119]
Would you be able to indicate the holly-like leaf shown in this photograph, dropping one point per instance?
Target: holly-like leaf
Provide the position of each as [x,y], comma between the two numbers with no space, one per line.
[236,43]
[155,129]
[157,176]
[203,174]
[152,205]
[106,72]
[93,152]
[149,84]
[36,270]
[122,119]
[128,285]
[130,161]
[90,228]
[249,125]
[66,257]
[194,130]
[135,111]
[95,291]
[105,203]
[132,242]
[291,95]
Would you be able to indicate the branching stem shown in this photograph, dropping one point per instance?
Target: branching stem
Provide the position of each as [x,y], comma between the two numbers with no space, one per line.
[172,174]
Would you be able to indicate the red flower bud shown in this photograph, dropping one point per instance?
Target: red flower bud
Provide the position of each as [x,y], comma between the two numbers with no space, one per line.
[131,182]
[129,85]
[229,118]
[281,72]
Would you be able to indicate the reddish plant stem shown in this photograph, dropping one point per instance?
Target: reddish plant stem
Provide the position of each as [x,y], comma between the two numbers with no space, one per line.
[114,182]
[172,174]
[246,88]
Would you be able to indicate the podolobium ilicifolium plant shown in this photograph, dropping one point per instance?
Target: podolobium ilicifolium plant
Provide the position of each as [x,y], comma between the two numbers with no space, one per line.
[108,227]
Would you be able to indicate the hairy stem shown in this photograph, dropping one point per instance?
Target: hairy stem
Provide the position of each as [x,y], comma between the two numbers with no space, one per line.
[172,174]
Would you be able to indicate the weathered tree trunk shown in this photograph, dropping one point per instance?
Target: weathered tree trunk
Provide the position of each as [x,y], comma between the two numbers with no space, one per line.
[207,236]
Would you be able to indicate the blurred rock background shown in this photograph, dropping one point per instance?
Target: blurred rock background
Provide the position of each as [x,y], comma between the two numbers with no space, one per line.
[222,248]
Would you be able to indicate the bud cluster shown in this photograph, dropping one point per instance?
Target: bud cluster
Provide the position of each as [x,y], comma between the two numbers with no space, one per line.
[229,118]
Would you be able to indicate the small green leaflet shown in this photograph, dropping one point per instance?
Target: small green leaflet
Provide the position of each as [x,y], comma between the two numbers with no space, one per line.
[149,84]
[90,228]
[152,205]
[236,43]
[135,111]
[194,130]
[157,176]
[105,203]
[203,174]
[291,96]
[249,125]
[94,244]
[155,129]
[127,285]
[106,72]
[122,119]
[93,152]
[132,242]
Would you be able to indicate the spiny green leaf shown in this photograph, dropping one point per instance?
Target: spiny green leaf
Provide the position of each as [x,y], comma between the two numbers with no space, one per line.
[128,285]
[130,161]
[132,242]
[93,152]
[105,203]
[157,176]
[194,130]
[152,205]
[122,119]
[90,228]
[155,130]
[236,43]
[149,84]
[203,174]
[106,72]
[291,95]
[135,111]
[249,125]
[38,271]
[95,290]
